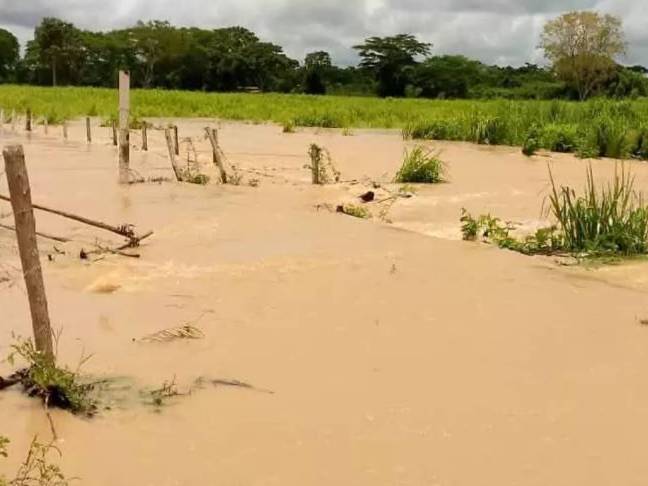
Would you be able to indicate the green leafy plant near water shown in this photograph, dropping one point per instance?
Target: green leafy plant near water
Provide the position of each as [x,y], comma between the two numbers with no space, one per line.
[55,386]
[604,220]
[420,165]
[36,469]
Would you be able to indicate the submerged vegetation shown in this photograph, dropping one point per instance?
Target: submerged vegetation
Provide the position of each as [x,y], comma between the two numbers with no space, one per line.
[420,166]
[36,469]
[606,220]
[54,385]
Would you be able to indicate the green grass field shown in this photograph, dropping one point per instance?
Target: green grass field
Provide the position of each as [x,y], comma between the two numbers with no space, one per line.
[591,129]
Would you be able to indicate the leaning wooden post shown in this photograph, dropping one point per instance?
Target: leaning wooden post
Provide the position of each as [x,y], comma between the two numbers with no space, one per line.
[172,155]
[18,183]
[28,121]
[212,136]
[88,130]
[114,133]
[144,137]
[124,134]
[175,139]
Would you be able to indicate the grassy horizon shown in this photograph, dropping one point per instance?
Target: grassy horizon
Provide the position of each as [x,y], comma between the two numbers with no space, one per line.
[598,127]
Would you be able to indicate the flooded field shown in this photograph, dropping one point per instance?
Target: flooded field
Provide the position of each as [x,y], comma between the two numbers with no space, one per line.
[395,353]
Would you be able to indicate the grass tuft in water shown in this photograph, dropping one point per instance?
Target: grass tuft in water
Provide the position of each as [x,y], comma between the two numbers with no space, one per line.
[420,166]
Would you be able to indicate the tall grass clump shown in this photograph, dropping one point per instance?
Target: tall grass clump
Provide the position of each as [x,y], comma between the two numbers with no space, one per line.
[420,166]
[607,219]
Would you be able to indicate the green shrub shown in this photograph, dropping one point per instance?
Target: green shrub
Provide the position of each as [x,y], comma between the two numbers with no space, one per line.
[420,166]
[532,142]
[559,137]
[606,219]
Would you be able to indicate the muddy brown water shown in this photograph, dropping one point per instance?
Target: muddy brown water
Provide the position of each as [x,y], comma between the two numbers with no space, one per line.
[397,353]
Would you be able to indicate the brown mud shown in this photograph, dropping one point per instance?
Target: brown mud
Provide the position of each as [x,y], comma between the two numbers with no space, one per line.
[397,353]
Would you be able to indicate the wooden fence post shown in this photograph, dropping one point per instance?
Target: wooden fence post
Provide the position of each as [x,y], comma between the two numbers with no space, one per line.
[124,134]
[18,183]
[315,155]
[114,133]
[88,130]
[172,155]
[175,139]
[212,135]
[144,137]
[28,121]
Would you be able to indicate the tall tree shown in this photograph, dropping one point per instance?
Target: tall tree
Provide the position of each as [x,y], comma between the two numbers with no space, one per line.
[317,67]
[391,60]
[58,45]
[9,54]
[583,46]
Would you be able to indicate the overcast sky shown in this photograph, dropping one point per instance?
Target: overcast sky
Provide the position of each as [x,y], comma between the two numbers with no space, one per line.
[495,31]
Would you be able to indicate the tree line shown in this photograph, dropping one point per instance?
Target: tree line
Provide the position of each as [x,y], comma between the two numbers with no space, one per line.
[582,48]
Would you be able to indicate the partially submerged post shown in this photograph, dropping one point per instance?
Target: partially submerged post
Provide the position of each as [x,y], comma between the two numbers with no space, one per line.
[65,131]
[2,120]
[114,133]
[45,125]
[88,130]
[13,120]
[315,153]
[124,134]
[28,120]
[20,193]
[175,139]
[144,137]
[172,155]
[212,135]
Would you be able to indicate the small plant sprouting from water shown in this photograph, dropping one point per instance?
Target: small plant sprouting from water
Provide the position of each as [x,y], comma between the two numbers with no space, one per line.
[421,166]
[603,221]
[160,396]
[55,386]
[354,210]
[37,470]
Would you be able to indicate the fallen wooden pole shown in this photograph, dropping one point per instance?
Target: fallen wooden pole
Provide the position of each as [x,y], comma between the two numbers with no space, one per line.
[60,239]
[172,155]
[212,136]
[18,182]
[124,230]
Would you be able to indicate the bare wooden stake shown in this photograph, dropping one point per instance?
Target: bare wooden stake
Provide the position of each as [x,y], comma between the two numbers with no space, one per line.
[65,131]
[124,134]
[28,121]
[144,137]
[315,155]
[175,139]
[114,133]
[88,130]
[212,135]
[18,182]
[172,155]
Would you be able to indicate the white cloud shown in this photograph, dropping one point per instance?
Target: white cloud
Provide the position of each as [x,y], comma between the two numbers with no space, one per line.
[494,31]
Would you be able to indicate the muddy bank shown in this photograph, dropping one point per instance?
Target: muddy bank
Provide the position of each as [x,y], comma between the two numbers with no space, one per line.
[397,354]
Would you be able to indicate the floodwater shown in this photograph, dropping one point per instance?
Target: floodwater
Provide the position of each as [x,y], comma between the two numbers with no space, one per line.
[396,353]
